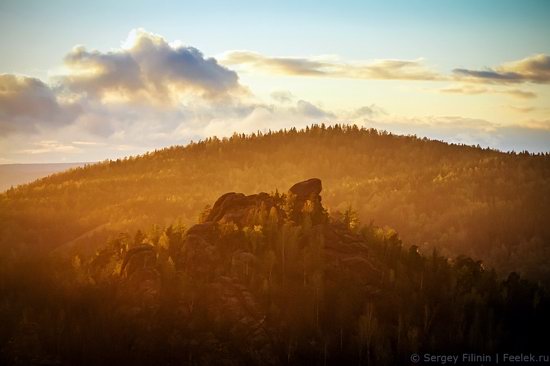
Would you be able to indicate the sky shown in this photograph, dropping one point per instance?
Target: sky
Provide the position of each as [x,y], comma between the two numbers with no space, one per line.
[88,81]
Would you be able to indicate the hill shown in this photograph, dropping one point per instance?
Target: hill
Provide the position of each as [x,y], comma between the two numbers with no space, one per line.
[459,199]
[263,279]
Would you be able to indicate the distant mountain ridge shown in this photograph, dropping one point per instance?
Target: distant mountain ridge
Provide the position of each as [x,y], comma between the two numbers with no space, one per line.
[12,175]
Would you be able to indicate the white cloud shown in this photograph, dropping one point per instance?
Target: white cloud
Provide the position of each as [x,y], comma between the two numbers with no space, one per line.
[475,89]
[332,68]
[282,96]
[148,69]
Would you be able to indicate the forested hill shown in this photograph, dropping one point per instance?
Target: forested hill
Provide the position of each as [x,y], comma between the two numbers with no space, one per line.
[459,199]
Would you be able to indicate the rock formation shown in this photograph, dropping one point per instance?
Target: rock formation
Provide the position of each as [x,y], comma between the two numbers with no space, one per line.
[307,189]
[221,264]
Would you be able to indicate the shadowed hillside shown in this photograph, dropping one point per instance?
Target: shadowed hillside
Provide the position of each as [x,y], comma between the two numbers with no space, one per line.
[262,279]
[458,199]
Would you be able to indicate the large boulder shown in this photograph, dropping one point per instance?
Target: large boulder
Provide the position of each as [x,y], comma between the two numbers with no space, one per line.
[307,189]
[305,197]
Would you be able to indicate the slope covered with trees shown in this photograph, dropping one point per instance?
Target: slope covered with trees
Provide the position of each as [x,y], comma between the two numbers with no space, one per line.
[264,279]
[458,199]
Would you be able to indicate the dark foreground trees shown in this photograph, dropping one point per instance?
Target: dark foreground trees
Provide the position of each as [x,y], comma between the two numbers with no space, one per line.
[263,279]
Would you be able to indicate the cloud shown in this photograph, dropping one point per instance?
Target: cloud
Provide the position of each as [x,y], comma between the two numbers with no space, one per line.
[147,69]
[27,103]
[49,146]
[469,89]
[367,112]
[88,143]
[522,109]
[523,94]
[487,75]
[151,93]
[283,96]
[97,73]
[538,124]
[395,70]
[309,110]
[148,85]
[464,89]
[262,117]
[534,69]
[324,67]
[533,135]
[277,65]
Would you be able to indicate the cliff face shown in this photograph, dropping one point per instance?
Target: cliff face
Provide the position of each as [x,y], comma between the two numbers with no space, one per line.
[253,248]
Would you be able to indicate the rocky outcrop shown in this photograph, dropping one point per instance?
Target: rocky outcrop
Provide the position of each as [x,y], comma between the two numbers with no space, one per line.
[305,197]
[236,207]
[139,257]
[347,257]
[310,188]
[142,276]
[219,255]
[201,253]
